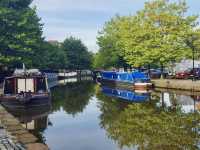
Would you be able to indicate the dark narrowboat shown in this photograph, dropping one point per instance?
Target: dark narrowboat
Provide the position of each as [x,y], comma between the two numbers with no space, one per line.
[25,87]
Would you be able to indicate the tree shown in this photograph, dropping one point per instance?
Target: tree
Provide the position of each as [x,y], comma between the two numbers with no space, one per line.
[77,54]
[155,35]
[20,32]
[192,41]
[161,31]
[50,56]
[109,54]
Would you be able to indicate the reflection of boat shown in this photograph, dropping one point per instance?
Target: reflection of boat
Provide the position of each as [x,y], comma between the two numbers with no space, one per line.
[136,80]
[25,87]
[125,94]
[31,117]
[74,80]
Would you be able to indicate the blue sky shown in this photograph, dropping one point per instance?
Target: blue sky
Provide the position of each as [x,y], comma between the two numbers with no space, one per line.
[84,18]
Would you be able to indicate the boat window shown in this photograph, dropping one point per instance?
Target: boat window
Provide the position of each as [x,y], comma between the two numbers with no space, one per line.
[9,87]
[25,85]
[41,85]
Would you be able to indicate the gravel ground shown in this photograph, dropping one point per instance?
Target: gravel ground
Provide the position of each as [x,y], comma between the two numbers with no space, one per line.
[6,143]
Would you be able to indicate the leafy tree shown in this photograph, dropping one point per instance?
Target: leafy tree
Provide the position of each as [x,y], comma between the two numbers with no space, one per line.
[155,35]
[192,41]
[21,41]
[109,54]
[20,32]
[105,59]
[77,54]
[50,56]
[160,36]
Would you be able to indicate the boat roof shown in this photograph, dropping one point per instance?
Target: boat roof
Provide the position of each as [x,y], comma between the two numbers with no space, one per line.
[23,76]
[23,73]
[27,72]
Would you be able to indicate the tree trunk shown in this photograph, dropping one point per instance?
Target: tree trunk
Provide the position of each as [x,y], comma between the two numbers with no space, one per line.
[149,68]
[125,68]
[162,68]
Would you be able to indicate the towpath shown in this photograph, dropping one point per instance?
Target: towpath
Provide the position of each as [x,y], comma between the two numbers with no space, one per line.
[187,85]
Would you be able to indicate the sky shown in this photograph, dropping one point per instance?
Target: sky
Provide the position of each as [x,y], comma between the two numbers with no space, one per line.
[83,19]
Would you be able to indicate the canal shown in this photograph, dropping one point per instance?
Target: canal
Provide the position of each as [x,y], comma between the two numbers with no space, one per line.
[85,116]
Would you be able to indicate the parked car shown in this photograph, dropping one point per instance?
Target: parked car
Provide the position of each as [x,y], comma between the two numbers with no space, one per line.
[156,73]
[195,73]
[185,74]
[189,74]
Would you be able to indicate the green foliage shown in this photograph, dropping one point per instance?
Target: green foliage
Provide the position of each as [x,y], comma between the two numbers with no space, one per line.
[155,35]
[109,54]
[161,30]
[15,4]
[77,54]
[50,56]
[105,59]
[21,41]
[20,32]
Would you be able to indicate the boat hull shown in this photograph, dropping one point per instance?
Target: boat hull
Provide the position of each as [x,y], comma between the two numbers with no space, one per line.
[126,85]
[142,86]
[13,102]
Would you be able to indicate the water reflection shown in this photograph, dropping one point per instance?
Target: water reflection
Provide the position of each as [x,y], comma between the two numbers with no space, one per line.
[74,80]
[72,97]
[126,95]
[185,103]
[34,119]
[164,122]
[89,115]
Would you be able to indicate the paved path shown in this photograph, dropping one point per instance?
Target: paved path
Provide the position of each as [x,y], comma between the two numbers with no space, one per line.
[6,142]
[187,85]
[12,133]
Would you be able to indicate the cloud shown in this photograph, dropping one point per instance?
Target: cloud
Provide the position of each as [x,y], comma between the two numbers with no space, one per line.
[88,36]
[89,5]
[80,18]
[84,18]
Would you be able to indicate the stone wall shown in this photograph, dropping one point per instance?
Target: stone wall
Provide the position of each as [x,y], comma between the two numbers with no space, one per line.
[17,133]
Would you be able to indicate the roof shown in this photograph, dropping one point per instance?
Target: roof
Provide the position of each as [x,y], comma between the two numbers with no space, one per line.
[23,76]
[27,72]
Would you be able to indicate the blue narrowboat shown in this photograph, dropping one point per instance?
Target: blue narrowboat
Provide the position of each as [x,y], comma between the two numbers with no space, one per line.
[136,80]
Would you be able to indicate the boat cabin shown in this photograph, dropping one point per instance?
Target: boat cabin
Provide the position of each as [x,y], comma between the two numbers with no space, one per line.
[21,84]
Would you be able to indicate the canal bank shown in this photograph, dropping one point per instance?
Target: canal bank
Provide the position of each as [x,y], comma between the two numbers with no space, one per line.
[185,85]
[14,136]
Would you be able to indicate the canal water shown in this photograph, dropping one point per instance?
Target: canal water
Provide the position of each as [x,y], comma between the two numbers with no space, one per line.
[85,116]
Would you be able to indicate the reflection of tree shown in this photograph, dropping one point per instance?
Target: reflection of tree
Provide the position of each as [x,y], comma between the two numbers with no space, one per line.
[110,106]
[148,126]
[73,97]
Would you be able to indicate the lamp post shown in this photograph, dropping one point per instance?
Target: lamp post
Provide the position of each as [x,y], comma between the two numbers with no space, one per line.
[193,76]
[190,43]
